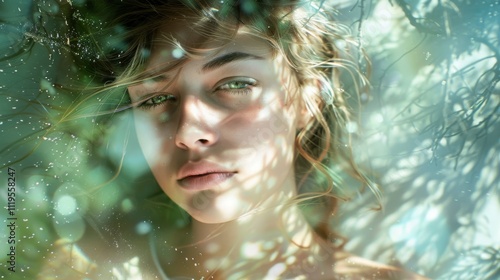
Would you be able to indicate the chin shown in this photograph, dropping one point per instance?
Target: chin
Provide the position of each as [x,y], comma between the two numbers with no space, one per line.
[216,210]
[212,217]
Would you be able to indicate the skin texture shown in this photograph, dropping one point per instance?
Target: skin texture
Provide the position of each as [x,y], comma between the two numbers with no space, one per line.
[248,131]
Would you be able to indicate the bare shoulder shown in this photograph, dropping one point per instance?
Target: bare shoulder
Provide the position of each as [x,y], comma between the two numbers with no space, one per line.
[348,266]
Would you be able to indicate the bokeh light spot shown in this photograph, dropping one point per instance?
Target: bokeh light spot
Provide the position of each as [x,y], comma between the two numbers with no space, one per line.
[143,228]
[177,53]
[66,205]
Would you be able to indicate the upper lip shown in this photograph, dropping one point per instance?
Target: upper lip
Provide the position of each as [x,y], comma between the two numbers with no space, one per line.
[200,168]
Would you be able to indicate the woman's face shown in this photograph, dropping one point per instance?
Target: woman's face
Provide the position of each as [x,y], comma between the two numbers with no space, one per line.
[218,132]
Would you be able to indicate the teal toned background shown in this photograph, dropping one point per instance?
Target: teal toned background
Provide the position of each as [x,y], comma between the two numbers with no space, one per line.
[429,131]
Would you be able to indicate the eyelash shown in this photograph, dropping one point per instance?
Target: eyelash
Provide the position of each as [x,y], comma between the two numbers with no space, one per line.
[146,106]
[246,82]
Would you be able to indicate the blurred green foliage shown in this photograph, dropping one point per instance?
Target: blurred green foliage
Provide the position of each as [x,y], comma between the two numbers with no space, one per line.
[432,116]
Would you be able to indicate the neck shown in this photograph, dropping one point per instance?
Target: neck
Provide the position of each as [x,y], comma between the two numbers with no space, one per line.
[273,238]
[266,236]
[285,223]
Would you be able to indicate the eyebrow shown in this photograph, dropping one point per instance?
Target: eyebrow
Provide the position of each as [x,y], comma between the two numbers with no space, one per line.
[227,58]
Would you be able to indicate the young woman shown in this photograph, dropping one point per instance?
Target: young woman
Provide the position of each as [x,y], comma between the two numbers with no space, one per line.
[240,109]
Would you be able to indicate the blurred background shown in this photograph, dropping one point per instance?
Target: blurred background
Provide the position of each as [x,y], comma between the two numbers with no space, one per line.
[429,131]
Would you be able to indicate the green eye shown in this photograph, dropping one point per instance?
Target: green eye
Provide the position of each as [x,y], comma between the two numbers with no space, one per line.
[235,85]
[158,100]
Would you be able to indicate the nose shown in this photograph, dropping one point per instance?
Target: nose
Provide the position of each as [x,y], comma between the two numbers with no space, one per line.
[196,127]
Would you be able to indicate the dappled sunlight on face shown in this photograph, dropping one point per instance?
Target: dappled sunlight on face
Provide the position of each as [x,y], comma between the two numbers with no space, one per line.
[218,132]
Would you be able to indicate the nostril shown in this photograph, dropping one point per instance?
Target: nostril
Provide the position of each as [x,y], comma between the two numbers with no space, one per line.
[203,141]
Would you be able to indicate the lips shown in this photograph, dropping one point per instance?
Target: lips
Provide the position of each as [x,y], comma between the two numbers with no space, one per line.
[203,175]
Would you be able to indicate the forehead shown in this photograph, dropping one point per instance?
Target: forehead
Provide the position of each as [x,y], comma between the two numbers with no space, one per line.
[177,42]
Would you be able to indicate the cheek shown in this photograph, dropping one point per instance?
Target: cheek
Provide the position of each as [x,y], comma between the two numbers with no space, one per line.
[265,139]
[154,140]
[157,145]
[276,137]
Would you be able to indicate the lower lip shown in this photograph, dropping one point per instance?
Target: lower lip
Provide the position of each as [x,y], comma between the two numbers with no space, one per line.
[204,182]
